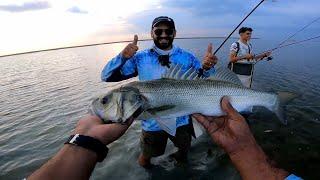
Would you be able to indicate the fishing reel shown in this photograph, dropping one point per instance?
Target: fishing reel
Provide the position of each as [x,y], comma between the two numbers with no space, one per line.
[269,58]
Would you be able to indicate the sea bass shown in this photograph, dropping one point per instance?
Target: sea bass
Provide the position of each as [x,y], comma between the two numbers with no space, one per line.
[179,94]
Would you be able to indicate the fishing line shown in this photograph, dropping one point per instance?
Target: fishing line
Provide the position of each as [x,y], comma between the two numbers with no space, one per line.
[286,45]
[238,26]
[294,34]
[291,36]
[105,43]
[298,42]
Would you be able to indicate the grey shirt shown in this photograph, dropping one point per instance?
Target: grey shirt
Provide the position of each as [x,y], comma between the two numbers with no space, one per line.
[243,50]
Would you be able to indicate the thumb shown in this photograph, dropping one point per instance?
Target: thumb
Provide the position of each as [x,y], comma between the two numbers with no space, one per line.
[227,108]
[210,48]
[135,40]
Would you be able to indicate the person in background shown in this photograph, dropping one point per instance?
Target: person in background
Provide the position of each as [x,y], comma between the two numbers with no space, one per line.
[78,157]
[242,59]
[151,64]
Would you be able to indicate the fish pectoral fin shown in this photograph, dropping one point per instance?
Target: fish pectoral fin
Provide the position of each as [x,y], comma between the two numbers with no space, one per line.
[169,125]
[157,110]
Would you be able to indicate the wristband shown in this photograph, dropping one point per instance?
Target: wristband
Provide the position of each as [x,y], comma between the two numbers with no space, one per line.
[89,143]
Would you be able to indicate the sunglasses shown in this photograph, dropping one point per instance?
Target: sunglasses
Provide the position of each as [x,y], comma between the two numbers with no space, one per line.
[168,32]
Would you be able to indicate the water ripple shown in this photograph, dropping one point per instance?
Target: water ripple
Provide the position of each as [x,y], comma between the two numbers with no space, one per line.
[43,95]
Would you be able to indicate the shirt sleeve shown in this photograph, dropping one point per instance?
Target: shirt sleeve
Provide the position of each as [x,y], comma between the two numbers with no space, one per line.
[196,64]
[293,177]
[233,48]
[118,69]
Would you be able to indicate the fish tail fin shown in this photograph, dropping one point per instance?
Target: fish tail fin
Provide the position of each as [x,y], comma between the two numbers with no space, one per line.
[283,99]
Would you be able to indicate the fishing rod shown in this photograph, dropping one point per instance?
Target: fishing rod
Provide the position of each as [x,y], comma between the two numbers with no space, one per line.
[290,37]
[238,26]
[104,43]
[297,42]
[286,45]
[303,28]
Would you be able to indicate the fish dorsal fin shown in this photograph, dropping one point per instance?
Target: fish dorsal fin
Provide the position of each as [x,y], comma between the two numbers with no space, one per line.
[175,72]
[225,74]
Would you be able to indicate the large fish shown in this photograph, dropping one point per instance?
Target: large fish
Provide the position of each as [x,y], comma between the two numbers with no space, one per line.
[179,94]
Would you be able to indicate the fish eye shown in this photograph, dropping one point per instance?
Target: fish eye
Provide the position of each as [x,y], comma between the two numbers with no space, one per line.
[104,100]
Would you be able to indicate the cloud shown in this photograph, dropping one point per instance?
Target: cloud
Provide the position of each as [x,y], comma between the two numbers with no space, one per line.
[27,6]
[77,10]
[217,18]
[206,8]
[293,8]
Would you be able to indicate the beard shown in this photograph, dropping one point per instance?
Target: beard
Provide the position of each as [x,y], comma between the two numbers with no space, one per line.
[163,42]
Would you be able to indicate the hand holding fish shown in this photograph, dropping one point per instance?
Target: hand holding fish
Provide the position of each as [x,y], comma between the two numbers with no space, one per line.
[94,127]
[209,59]
[230,131]
[131,49]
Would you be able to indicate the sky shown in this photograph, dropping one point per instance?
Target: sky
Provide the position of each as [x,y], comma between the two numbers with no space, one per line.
[41,24]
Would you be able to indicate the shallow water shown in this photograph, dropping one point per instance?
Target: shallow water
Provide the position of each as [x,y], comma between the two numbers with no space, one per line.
[42,96]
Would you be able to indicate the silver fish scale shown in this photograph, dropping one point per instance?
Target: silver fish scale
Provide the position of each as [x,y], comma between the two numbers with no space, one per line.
[195,96]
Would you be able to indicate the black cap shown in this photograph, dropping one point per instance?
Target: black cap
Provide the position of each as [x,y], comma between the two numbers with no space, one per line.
[163,19]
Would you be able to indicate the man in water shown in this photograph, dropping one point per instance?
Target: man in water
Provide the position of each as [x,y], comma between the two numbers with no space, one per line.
[77,158]
[242,59]
[151,64]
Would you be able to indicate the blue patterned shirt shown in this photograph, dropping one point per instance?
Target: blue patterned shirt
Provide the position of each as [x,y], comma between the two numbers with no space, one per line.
[145,64]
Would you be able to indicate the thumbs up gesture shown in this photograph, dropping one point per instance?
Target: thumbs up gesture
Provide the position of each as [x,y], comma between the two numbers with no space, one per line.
[131,49]
[209,59]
